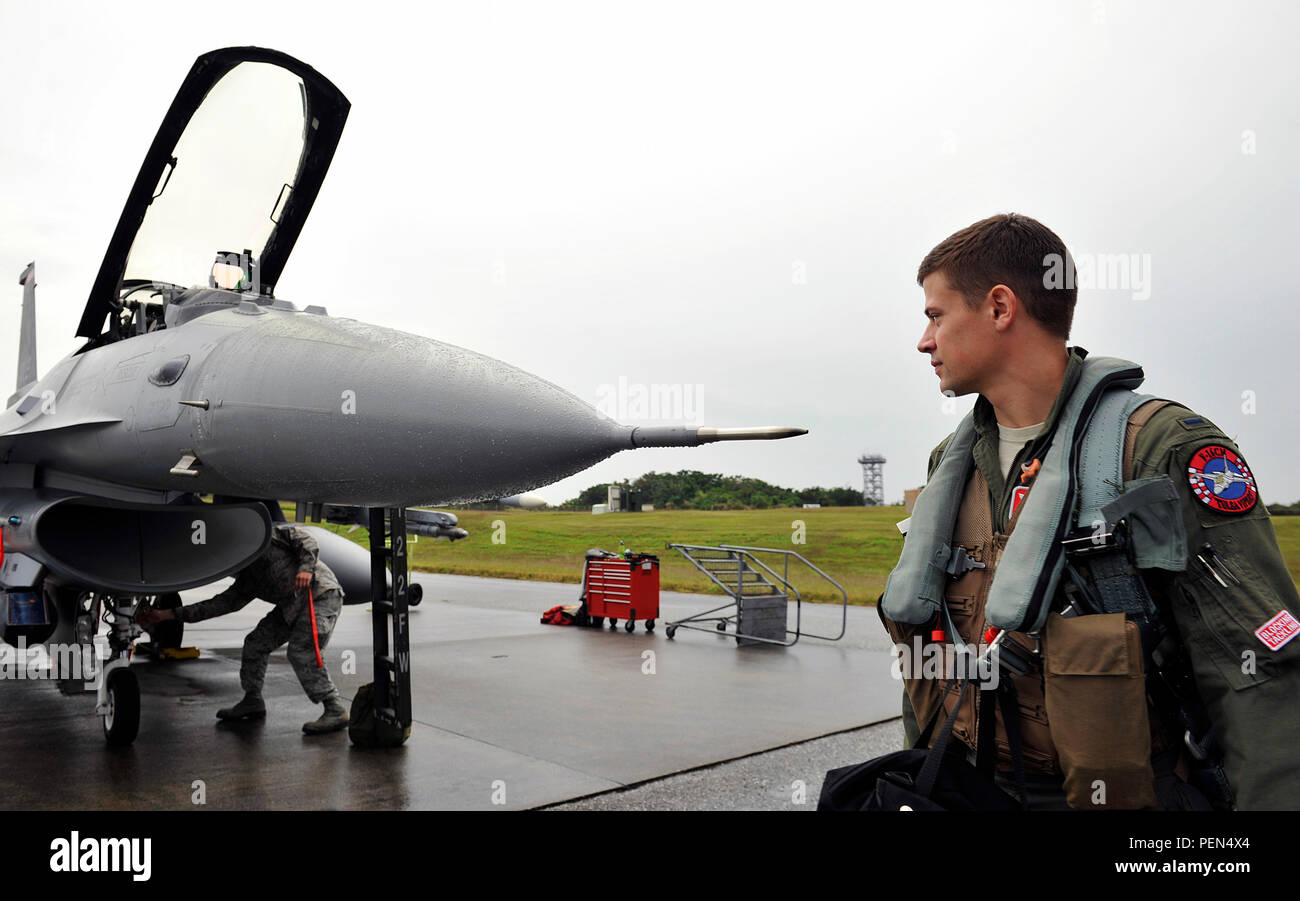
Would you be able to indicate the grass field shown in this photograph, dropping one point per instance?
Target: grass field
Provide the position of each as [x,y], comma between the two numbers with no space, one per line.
[857,546]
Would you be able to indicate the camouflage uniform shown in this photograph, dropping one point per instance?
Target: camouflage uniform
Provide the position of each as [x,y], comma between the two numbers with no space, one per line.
[271,578]
[1217,604]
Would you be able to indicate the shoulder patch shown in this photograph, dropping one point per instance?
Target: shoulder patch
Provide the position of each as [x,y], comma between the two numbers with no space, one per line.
[1221,480]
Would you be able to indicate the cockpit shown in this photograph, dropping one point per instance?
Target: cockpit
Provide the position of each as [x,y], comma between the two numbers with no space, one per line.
[146,306]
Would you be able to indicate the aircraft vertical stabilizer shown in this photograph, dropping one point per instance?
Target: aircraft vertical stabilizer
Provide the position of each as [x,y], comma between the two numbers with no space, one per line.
[27,333]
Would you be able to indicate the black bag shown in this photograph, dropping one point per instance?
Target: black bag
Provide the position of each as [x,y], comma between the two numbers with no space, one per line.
[933,779]
[366,729]
[896,782]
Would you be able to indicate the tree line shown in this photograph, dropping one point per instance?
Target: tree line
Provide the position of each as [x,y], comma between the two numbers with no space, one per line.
[693,490]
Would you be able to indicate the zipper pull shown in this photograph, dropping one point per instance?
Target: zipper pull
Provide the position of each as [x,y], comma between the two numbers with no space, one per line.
[1029,470]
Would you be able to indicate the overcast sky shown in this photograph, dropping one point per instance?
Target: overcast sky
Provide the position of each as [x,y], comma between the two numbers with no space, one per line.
[731,196]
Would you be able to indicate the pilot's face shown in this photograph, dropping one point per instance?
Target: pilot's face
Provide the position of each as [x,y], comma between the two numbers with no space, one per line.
[958,340]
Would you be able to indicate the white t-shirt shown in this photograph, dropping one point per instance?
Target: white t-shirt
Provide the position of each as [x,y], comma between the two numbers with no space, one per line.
[1011,442]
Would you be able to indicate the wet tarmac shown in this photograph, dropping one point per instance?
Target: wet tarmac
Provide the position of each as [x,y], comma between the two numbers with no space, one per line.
[509,714]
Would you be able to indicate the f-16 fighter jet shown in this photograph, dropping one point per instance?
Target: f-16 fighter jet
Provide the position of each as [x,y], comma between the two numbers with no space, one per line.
[148,461]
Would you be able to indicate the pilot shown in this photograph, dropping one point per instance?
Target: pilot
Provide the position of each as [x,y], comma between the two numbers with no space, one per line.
[1208,588]
[284,575]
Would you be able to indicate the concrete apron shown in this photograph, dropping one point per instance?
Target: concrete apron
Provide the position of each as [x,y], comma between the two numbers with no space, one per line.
[508,713]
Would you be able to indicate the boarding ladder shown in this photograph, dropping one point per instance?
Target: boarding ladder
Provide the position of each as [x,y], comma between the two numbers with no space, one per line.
[390,613]
[390,610]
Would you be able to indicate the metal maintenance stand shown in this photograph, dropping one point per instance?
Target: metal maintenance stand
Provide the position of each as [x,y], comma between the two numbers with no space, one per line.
[759,596]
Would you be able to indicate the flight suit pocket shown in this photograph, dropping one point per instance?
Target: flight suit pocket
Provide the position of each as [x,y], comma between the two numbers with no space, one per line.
[1221,624]
[1095,694]
[1209,519]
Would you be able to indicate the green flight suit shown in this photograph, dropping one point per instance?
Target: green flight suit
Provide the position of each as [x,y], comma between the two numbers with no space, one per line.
[1248,688]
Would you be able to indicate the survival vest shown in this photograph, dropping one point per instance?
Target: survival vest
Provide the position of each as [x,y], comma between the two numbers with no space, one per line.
[957,572]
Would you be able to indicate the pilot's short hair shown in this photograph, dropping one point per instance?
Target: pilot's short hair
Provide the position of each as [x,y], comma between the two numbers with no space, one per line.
[1012,250]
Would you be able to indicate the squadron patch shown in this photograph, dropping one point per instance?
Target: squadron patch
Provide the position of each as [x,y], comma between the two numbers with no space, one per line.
[1221,480]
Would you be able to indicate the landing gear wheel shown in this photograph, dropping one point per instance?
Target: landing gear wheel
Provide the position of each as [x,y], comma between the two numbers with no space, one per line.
[629,625]
[168,634]
[414,594]
[672,630]
[122,721]
[649,625]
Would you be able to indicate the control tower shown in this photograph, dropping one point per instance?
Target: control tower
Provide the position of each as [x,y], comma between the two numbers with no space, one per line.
[873,479]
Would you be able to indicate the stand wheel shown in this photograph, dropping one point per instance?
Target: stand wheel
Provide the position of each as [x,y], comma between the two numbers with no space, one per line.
[122,721]
[598,622]
[672,630]
[629,625]
[649,625]
[613,623]
[721,627]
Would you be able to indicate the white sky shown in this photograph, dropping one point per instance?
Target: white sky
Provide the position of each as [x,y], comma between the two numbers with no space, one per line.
[601,191]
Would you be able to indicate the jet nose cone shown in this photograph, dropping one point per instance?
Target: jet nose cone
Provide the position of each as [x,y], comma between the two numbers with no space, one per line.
[310,408]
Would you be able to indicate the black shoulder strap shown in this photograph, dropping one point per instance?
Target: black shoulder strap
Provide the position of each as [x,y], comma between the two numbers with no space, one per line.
[1006,691]
[930,770]
[986,753]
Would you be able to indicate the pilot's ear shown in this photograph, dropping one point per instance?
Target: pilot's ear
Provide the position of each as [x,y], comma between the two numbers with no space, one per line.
[1005,304]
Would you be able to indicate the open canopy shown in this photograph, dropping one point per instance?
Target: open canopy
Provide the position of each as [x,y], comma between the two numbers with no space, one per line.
[235,167]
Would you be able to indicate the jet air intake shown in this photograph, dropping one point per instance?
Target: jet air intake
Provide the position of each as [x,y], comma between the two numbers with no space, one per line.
[136,548]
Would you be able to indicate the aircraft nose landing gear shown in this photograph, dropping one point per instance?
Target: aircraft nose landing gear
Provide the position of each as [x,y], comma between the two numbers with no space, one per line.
[118,696]
[122,716]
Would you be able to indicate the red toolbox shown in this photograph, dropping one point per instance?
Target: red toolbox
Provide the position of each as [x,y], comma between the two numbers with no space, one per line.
[622,588]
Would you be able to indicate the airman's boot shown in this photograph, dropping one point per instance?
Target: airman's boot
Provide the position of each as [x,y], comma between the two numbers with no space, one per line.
[252,707]
[333,719]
